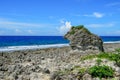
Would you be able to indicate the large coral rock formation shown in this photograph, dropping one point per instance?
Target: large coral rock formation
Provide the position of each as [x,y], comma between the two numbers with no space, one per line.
[82,39]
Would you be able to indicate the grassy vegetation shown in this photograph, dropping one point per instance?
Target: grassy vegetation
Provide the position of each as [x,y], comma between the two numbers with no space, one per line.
[64,72]
[72,32]
[118,50]
[101,71]
[79,27]
[95,71]
[75,70]
[118,62]
[109,56]
[98,61]
[80,70]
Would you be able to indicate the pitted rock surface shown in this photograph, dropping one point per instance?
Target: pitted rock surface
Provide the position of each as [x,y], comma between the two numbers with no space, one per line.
[82,39]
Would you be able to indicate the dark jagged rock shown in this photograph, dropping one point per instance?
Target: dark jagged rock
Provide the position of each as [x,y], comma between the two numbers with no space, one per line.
[45,70]
[55,76]
[82,39]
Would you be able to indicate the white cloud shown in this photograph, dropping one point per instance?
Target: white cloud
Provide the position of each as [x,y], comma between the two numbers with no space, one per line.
[13,24]
[62,21]
[65,27]
[113,4]
[113,33]
[2,19]
[18,31]
[24,28]
[117,32]
[95,14]
[98,15]
[30,31]
[2,32]
[87,15]
[100,25]
[19,23]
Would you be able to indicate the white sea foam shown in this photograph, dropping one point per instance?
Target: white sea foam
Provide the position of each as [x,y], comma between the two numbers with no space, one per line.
[112,42]
[15,48]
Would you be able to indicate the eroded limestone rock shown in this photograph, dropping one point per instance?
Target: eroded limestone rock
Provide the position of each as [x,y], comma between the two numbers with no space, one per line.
[82,39]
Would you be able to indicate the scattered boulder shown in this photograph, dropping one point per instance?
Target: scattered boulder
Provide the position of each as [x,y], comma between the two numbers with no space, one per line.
[28,59]
[55,76]
[82,39]
[87,77]
[45,70]
[42,58]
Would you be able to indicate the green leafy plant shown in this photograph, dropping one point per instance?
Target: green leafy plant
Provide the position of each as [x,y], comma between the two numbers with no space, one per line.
[118,63]
[80,71]
[98,61]
[109,56]
[84,29]
[118,50]
[64,72]
[72,32]
[101,71]
[79,27]
[90,56]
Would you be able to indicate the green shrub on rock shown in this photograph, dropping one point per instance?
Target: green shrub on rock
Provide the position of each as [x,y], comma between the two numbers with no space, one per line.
[72,32]
[79,27]
[109,56]
[118,63]
[79,70]
[101,71]
[118,50]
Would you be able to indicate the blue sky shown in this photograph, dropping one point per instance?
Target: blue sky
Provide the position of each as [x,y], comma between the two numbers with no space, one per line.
[55,17]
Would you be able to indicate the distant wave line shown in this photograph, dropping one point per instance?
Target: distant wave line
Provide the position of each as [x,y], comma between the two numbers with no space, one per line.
[15,48]
[112,42]
[30,47]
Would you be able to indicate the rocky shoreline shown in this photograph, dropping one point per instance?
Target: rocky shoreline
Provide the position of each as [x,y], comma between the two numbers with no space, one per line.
[41,64]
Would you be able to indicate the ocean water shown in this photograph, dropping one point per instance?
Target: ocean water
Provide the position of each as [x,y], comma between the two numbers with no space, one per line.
[10,43]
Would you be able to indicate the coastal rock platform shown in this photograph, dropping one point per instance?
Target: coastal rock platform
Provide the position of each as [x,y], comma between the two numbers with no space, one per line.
[43,64]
